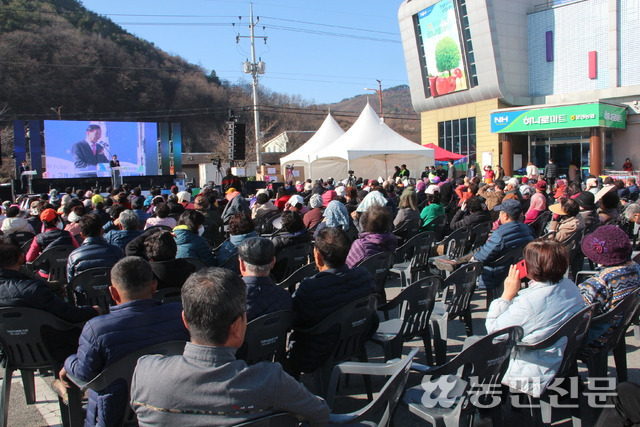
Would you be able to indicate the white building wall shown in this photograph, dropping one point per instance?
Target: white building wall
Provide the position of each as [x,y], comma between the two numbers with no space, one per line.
[578,28]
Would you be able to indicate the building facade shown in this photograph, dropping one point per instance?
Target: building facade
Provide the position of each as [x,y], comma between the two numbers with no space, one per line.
[517,81]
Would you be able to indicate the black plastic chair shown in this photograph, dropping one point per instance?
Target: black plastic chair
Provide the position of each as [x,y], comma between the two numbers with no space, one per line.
[266,337]
[405,252]
[457,293]
[168,295]
[21,237]
[291,282]
[411,270]
[620,318]
[380,411]
[407,229]
[478,236]
[512,256]
[197,263]
[91,287]
[22,343]
[122,370]
[379,265]
[575,330]
[583,275]
[265,225]
[291,258]
[479,366]
[540,223]
[414,304]
[454,244]
[352,323]
[26,245]
[439,226]
[54,261]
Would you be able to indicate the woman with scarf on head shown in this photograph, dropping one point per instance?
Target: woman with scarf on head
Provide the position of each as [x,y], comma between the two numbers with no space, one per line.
[337,216]
[537,205]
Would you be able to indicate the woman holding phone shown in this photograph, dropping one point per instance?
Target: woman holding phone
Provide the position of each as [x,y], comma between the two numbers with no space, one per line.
[545,305]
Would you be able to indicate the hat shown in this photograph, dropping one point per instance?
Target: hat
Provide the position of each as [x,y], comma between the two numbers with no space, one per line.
[541,185]
[510,206]
[184,196]
[48,215]
[604,190]
[607,245]
[230,190]
[340,191]
[525,179]
[592,182]
[257,251]
[295,199]
[514,182]
[73,217]
[586,200]
[97,198]
[328,196]
[432,189]
[557,209]
[435,179]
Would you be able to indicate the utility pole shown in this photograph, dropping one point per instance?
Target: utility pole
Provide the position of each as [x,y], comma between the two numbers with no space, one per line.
[379,92]
[254,68]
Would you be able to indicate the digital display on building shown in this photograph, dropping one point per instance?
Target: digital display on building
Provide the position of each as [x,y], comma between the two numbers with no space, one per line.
[443,53]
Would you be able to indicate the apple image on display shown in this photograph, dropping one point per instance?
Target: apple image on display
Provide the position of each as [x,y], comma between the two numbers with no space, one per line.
[432,85]
[452,84]
[457,72]
[442,85]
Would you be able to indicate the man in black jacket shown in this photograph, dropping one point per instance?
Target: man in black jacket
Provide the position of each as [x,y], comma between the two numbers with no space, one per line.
[318,296]
[551,173]
[256,256]
[95,251]
[19,290]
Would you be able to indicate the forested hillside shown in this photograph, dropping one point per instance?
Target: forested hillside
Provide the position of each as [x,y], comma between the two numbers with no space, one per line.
[55,55]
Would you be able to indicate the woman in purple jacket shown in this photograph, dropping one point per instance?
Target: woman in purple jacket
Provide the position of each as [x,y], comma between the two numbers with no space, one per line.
[376,238]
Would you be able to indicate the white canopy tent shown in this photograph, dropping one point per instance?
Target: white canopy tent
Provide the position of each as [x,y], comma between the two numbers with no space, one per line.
[328,132]
[371,149]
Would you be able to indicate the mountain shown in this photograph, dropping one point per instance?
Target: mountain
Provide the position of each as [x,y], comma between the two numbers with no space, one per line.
[55,55]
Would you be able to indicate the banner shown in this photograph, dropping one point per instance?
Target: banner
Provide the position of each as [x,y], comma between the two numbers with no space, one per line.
[565,117]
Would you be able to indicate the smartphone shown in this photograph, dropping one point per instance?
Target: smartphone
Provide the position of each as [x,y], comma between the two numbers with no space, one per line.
[522,269]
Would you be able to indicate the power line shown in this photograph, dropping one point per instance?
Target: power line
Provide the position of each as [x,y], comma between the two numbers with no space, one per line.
[329,25]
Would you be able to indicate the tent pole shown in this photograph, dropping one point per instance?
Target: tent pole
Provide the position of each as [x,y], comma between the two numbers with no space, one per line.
[309,163]
[386,167]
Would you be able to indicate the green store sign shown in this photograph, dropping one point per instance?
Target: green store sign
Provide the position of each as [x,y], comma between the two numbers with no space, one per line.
[566,117]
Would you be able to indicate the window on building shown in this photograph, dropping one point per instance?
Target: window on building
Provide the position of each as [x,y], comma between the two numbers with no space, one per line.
[459,136]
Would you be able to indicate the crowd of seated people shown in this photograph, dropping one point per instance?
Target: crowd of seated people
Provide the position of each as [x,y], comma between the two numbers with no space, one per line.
[162,233]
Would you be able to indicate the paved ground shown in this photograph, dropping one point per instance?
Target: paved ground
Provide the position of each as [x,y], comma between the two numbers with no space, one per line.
[46,412]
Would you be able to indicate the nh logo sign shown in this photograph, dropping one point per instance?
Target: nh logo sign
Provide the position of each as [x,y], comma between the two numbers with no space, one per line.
[500,119]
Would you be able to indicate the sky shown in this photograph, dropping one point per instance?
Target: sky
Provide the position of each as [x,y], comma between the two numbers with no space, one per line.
[322,50]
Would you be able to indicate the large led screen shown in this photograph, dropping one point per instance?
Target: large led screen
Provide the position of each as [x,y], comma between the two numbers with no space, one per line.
[78,149]
[442,51]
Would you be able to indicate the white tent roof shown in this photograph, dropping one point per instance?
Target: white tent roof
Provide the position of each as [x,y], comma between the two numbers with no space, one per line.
[328,132]
[371,148]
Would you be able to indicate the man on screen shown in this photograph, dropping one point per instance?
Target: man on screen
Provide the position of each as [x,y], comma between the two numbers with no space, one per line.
[88,152]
